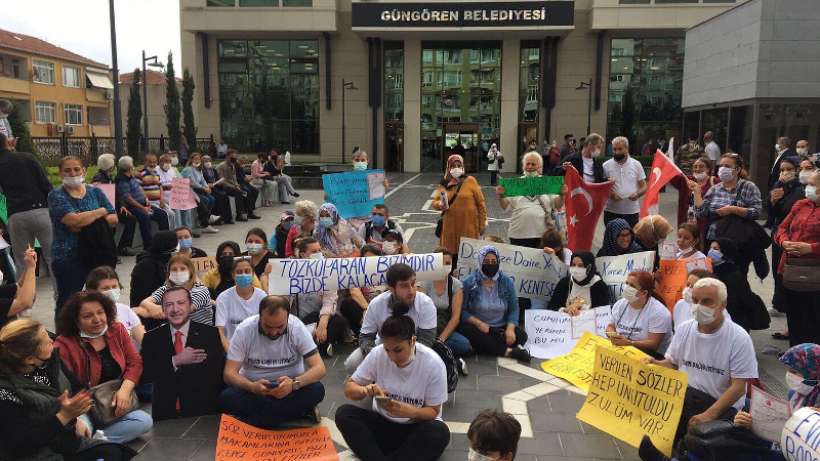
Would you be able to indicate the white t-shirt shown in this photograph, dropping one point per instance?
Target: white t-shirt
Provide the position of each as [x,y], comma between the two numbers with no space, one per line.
[127,316]
[712,150]
[165,178]
[637,324]
[263,357]
[422,383]
[712,360]
[423,313]
[626,177]
[527,221]
[589,169]
[231,309]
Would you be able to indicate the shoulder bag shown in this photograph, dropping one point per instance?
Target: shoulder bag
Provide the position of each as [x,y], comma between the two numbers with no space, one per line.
[749,235]
[102,412]
[801,274]
[440,222]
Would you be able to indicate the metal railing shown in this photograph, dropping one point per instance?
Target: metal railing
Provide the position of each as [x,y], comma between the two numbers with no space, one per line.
[50,149]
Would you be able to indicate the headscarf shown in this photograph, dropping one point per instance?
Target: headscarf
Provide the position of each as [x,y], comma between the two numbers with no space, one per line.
[482,253]
[804,359]
[610,246]
[225,263]
[729,249]
[589,262]
[449,180]
[650,230]
[324,235]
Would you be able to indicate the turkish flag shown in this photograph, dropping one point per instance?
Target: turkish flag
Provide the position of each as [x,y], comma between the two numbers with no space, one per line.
[663,171]
[584,206]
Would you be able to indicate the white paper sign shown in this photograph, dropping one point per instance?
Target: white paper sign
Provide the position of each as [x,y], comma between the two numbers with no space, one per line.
[375,185]
[553,333]
[615,269]
[299,276]
[769,414]
[800,439]
[534,272]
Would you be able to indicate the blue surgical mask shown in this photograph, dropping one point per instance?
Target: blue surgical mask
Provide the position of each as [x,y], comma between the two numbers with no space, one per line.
[716,255]
[359,166]
[325,221]
[378,220]
[286,225]
[244,280]
[185,244]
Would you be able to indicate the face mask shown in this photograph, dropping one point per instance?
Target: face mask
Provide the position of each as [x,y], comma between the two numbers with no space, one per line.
[389,248]
[319,256]
[811,193]
[704,315]
[113,294]
[700,176]
[726,174]
[91,336]
[489,269]
[686,250]
[244,280]
[73,181]
[619,157]
[787,176]
[531,174]
[578,273]
[630,293]
[359,166]
[174,161]
[298,220]
[208,165]
[777,147]
[179,278]
[473,455]
[802,151]
[287,225]
[804,176]
[793,381]
[165,167]
[377,220]
[186,244]
[716,255]
[596,153]
[254,248]
[456,172]
[687,295]
[325,221]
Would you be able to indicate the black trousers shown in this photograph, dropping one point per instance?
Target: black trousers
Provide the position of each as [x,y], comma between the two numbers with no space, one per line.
[493,178]
[352,311]
[336,326]
[222,206]
[241,200]
[632,219]
[250,199]
[130,227]
[696,402]
[524,303]
[372,437]
[492,343]
[803,317]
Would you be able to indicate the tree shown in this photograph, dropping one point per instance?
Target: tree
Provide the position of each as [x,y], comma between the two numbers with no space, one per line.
[19,129]
[172,105]
[189,128]
[133,128]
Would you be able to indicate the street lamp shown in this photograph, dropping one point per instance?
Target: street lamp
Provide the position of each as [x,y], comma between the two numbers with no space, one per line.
[345,86]
[153,63]
[115,74]
[587,86]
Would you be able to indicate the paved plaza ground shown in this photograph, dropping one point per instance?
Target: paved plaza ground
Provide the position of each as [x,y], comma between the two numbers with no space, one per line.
[545,405]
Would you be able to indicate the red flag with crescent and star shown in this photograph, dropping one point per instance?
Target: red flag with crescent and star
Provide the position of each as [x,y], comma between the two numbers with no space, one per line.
[663,171]
[584,205]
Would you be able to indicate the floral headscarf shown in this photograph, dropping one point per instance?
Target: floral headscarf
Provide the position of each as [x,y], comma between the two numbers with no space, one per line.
[449,180]
[324,235]
[482,253]
[804,359]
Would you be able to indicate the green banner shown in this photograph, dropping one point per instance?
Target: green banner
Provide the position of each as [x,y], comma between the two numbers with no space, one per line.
[4,212]
[539,185]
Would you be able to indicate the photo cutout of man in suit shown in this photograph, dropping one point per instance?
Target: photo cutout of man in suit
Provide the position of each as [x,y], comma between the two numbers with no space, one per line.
[184,360]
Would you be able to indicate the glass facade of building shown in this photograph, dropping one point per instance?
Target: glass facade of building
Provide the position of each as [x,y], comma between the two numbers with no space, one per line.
[645,88]
[529,94]
[269,94]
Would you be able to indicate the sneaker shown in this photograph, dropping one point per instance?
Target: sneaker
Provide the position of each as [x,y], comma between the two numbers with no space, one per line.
[285,203]
[461,365]
[295,194]
[520,354]
[314,415]
[329,350]
[214,219]
[210,230]
[253,216]
[775,313]
[241,218]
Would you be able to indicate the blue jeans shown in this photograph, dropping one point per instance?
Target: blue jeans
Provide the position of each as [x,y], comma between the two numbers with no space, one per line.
[458,344]
[129,427]
[69,276]
[268,412]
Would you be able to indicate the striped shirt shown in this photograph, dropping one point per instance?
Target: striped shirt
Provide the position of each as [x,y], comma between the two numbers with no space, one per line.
[718,197]
[152,192]
[203,310]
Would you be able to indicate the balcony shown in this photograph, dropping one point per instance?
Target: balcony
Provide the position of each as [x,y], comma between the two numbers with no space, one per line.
[278,16]
[14,86]
[655,14]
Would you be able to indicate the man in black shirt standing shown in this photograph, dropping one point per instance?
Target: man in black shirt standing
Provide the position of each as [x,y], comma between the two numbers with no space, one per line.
[26,186]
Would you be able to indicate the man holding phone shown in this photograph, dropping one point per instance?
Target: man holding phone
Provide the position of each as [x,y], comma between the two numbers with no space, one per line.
[273,368]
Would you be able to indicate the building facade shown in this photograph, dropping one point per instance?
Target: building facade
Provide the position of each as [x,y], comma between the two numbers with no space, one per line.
[156,100]
[58,92]
[410,82]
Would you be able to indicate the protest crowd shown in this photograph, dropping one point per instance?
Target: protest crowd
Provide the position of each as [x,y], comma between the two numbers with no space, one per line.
[232,340]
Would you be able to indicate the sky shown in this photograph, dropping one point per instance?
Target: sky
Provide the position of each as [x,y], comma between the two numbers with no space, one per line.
[81,26]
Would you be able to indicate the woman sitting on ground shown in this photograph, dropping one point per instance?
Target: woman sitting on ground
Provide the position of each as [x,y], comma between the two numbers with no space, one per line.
[219,278]
[619,239]
[181,273]
[105,280]
[639,319]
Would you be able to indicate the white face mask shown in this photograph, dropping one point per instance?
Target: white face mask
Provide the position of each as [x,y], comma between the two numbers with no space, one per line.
[804,176]
[254,248]
[359,166]
[687,294]
[389,248]
[794,382]
[165,166]
[700,176]
[90,336]
[174,161]
[456,172]
[703,315]
[73,181]
[1,277]
[113,294]
[318,255]
[686,250]
[596,153]
[802,151]
[179,278]
[531,174]
[578,273]
[777,147]
[630,293]
[473,455]
[725,174]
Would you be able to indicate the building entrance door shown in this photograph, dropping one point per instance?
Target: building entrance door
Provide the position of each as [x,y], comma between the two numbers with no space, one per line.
[394,147]
[461,139]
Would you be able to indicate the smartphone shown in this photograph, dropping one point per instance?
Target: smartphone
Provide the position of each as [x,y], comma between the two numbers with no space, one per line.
[382,400]
[273,385]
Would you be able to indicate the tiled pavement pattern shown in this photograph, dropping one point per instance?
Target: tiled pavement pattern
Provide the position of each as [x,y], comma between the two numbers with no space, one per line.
[546,406]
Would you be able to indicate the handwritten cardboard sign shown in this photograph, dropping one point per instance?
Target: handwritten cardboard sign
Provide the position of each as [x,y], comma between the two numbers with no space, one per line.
[800,439]
[531,186]
[769,414]
[576,367]
[552,333]
[182,196]
[628,400]
[203,265]
[299,276]
[240,441]
[354,192]
[534,272]
[615,269]
[672,275]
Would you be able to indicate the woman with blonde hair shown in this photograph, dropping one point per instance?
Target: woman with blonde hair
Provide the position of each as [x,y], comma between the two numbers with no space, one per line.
[530,214]
[181,273]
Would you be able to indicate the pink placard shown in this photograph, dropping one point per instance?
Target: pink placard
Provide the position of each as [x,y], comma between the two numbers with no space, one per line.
[182,197]
[110,192]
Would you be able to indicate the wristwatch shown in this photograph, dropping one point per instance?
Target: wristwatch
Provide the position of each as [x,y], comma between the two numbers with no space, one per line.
[296,385]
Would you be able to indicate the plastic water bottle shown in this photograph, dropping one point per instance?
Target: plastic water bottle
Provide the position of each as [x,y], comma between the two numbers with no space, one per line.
[99,435]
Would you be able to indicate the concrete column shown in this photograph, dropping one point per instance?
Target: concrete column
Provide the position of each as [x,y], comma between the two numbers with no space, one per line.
[510,68]
[412,105]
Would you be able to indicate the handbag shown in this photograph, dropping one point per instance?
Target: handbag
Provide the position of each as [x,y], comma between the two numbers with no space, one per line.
[801,274]
[102,412]
[748,234]
[440,222]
